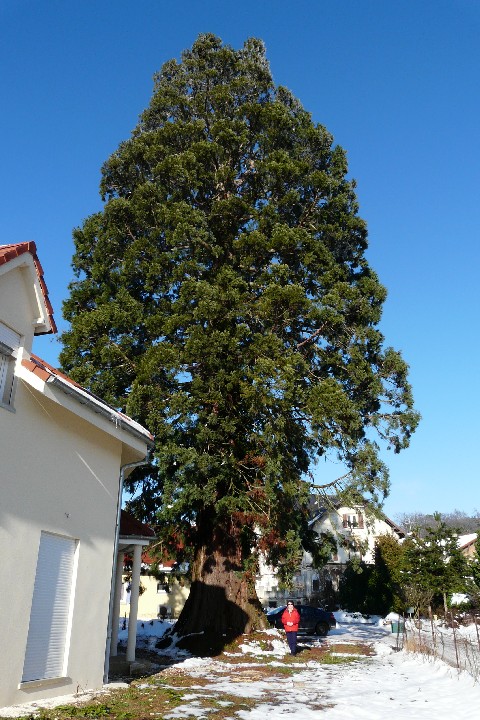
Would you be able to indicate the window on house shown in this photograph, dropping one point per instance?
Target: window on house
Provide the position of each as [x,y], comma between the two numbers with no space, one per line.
[350,521]
[50,617]
[9,344]
[353,521]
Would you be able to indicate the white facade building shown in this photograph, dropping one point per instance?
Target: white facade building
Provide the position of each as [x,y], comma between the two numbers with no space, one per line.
[355,531]
[64,454]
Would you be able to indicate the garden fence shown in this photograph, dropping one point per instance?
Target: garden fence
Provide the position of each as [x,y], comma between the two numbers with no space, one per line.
[444,642]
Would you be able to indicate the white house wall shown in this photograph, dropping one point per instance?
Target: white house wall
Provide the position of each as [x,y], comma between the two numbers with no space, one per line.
[373,527]
[303,581]
[59,473]
[61,478]
[16,314]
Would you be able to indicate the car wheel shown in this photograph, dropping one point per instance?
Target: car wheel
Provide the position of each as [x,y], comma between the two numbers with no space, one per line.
[321,629]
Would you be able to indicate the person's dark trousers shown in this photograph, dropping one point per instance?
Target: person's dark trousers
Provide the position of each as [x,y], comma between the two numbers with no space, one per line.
[292,642]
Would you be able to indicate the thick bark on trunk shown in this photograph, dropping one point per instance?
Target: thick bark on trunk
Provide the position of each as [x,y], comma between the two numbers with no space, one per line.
[223,602]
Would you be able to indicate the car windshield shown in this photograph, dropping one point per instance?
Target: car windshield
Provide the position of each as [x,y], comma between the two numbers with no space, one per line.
[271,611]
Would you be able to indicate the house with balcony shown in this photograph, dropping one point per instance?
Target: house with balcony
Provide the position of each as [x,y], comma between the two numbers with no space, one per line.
[355,530]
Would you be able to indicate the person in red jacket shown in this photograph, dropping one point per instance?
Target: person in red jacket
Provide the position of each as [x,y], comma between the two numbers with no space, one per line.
[290,620]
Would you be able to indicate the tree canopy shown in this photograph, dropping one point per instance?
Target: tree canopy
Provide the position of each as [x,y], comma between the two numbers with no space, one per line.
[433,563]
[223,298]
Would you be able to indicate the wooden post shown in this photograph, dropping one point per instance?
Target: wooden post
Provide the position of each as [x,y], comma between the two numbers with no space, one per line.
[455,640]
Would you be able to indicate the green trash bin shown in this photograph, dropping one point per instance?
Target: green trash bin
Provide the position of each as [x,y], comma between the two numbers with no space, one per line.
[398,627]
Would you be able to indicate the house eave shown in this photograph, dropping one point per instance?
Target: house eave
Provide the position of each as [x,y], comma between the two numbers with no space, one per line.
[128,425]
[85,406]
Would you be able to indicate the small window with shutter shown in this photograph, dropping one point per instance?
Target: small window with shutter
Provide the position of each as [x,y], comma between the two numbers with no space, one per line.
[350,521]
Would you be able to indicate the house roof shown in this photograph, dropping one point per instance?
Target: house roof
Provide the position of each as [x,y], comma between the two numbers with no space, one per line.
[464,541]
[11,252]
[148,559]
[48,374]
[131,528]
[400,531]
[317,512]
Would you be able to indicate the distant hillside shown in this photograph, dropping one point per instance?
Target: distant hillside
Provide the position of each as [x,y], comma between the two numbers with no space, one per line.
[458,520]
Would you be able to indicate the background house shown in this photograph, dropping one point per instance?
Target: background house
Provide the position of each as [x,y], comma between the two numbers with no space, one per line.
[64,454]
[162,595]
[466,543]
[355,529]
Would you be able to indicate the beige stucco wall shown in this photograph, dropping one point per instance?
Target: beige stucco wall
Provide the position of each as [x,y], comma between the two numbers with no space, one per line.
[151,599]
[59,473]
[16,307]
[62,477]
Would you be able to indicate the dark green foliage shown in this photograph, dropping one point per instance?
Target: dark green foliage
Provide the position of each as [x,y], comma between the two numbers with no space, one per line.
[433,563]
[224,300]
[353,589]
[375,589]
[385,589]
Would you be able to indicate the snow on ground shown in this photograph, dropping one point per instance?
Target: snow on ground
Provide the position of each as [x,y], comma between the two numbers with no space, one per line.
[397,685]
[391,684]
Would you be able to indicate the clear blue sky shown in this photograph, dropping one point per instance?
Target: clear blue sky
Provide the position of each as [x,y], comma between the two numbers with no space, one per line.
[396,82]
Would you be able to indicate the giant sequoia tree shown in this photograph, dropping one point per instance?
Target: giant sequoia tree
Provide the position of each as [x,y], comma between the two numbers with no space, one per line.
[224,300]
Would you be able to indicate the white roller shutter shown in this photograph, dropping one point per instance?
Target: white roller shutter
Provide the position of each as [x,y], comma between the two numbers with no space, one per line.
[9,337]
[9,344]
[3,374]
[49,617]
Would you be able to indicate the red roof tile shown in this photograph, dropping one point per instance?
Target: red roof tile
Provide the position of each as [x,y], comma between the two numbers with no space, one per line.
[10,252]
[41,367]
[131,527]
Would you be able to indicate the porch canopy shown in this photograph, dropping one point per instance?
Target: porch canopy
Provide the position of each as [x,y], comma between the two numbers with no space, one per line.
[134,536]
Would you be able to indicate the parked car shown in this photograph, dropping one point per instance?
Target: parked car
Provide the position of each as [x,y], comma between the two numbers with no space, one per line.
[312,619]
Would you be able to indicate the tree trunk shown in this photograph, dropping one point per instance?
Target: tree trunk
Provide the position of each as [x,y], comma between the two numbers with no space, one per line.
[222,603]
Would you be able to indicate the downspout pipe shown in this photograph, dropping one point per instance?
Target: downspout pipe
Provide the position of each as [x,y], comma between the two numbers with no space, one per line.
[123,469]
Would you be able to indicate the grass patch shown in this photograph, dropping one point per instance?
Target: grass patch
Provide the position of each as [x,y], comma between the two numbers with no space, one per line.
[176,678]
[192,692]
[131,704]
[329,659]
[352,649]
[86,711]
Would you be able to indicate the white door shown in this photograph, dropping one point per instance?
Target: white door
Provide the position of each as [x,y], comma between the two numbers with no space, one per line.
[49,616]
